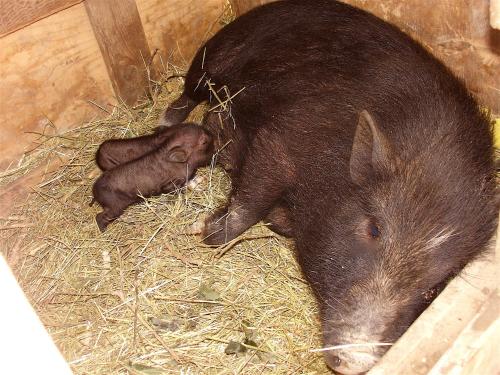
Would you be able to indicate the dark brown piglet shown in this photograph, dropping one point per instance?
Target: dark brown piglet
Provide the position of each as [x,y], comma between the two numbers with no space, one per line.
[347,135]
[114,152]
[162,170]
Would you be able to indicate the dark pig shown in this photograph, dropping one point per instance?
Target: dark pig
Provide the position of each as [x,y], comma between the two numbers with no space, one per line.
[349,136]
[160,171]
[114,152]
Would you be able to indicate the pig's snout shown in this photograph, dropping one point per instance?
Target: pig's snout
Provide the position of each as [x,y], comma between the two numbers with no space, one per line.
[353,353]
[351,360]
[357,341]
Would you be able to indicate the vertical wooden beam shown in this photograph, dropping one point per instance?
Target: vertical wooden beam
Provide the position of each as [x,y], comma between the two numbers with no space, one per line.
[120,35]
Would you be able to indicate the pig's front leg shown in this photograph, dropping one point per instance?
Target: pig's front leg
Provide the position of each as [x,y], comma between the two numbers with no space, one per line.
[229,222]
[178,111]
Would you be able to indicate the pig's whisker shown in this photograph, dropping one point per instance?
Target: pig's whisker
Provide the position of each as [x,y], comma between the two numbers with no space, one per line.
[345,346]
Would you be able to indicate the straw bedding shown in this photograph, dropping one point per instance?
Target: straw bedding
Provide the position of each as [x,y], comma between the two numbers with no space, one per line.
[147,296]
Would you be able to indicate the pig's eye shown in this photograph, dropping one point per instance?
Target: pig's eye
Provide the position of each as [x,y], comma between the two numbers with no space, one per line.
[373,230]
[369,229]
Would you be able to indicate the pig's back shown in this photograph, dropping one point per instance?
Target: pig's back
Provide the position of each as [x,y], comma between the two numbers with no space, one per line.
[318,64]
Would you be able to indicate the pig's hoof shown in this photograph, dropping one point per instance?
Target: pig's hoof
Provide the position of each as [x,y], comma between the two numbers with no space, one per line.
[224,226]
[102,222]
[194,183]
[196,227]
[215,231]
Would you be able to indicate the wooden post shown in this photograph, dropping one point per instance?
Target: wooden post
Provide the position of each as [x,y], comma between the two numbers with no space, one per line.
[120,35]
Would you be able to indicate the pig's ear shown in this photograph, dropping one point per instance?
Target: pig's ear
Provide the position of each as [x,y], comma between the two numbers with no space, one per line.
[177,155]
[371,151]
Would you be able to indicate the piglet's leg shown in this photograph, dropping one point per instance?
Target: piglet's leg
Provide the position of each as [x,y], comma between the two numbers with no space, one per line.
[254,194]
[107,216]
[178,111]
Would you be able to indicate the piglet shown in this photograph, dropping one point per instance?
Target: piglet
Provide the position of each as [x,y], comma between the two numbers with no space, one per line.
[161,170]
[114,152]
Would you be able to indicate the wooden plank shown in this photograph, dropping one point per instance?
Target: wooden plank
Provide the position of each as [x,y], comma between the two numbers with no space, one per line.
[475,351]
[50,70]
[120,35]
[17,14]
[24,334]
[177,28]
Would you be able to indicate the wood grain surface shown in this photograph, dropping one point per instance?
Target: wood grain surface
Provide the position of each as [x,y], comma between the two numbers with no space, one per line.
[177,28]
[50,70]
[15,15]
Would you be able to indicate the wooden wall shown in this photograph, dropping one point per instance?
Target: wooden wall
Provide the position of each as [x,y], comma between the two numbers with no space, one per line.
[49,70]
[57,56]
[178,31]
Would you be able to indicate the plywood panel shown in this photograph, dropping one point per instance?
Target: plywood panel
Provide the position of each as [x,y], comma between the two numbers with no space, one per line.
[17,14]
[118,29]
[178,27]
[49,71]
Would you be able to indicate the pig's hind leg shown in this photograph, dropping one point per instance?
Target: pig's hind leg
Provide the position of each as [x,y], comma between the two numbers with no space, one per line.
[198,87]
[278,220]
[255,192]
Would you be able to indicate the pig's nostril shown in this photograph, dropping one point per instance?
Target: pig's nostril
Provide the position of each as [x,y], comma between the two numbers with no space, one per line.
[335,361]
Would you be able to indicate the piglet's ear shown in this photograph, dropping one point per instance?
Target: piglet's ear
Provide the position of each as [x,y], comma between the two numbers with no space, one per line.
[177,155]
[371,151]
